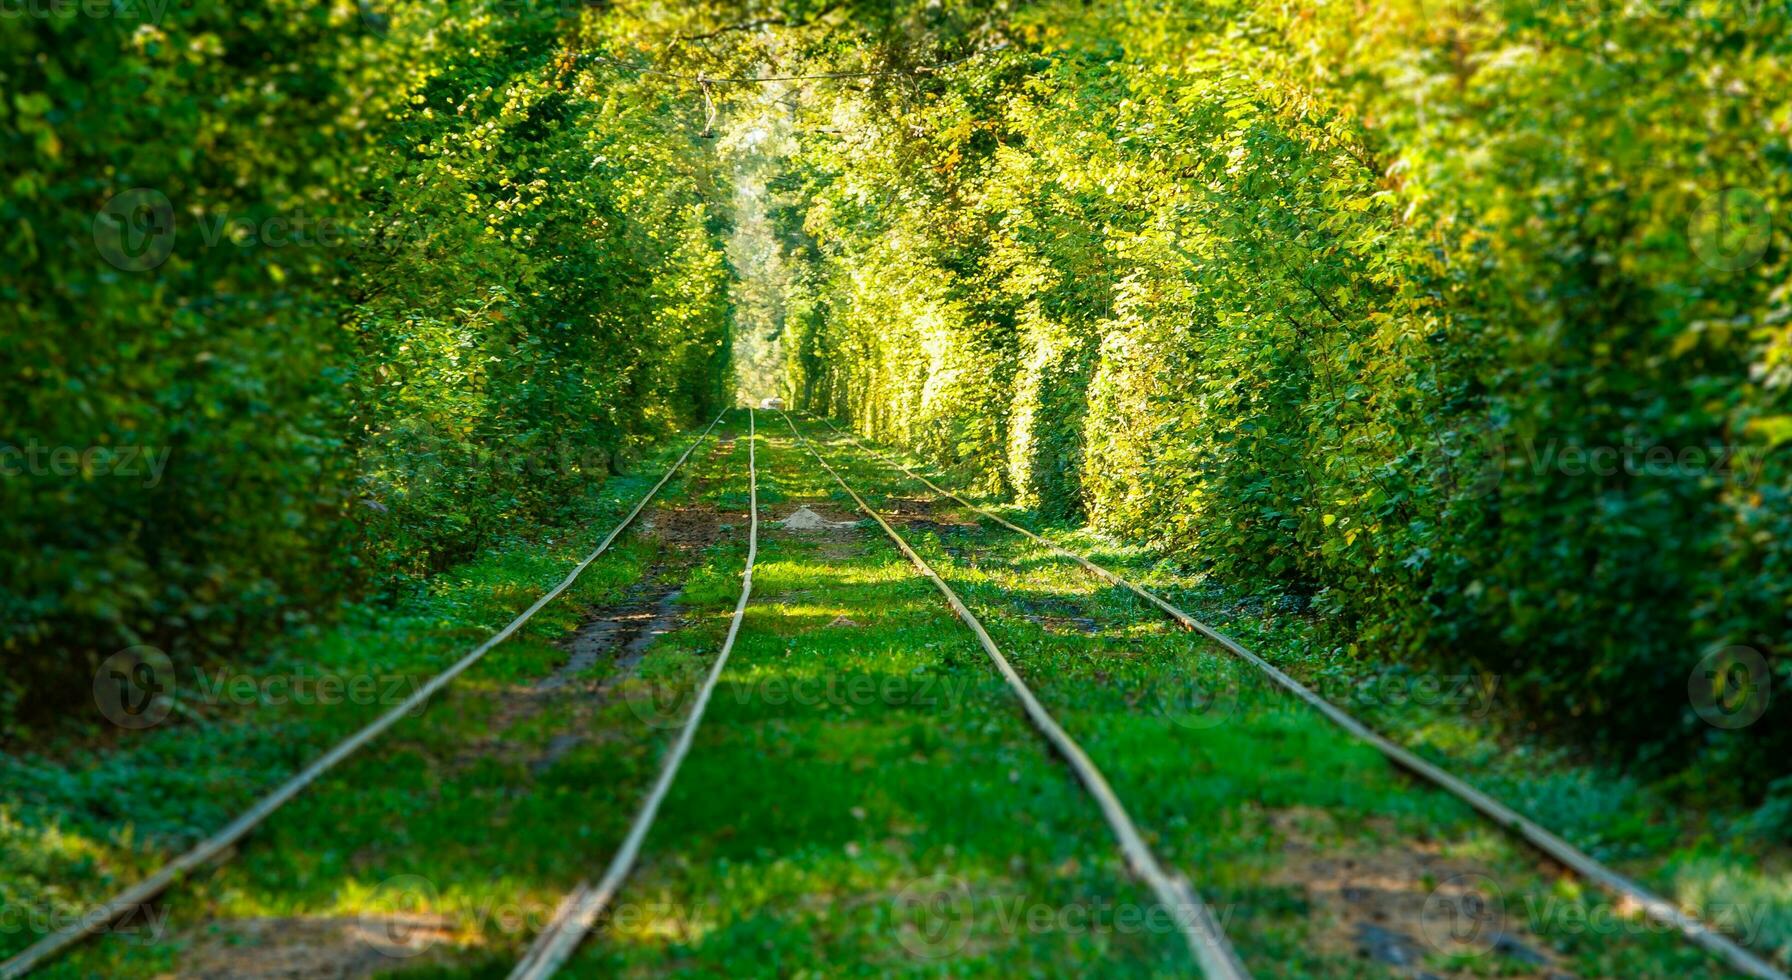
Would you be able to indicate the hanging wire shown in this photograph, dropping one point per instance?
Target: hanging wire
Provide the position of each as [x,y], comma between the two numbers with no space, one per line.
[709,108]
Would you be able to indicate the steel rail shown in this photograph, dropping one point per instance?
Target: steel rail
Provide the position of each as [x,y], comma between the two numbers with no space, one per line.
[1692,928]
[100,916]
[1206,941]
[578,912]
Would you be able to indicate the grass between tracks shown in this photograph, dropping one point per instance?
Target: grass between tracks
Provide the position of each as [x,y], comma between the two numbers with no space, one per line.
[434,817]
[1287,783]
[865,797]
[861,768]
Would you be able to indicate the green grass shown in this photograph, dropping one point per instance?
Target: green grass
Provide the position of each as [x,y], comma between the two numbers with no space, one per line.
[1272,752]
[864,797]
[844,770]
[423,800]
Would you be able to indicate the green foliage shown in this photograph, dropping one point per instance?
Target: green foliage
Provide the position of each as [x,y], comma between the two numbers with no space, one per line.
[382,284]
[1468,322]
[1386,312]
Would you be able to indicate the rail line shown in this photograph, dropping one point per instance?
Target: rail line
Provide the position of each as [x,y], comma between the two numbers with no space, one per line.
[579,911]
[100,916]
[1693,929]
[1206,942]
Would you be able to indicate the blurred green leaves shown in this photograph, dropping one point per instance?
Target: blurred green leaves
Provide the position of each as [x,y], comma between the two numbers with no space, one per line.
[364,287]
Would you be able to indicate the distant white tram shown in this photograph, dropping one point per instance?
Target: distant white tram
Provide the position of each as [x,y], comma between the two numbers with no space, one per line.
[772,404]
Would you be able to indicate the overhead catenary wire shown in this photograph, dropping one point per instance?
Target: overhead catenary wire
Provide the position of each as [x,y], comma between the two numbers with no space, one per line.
[1206,941]
[1657,908]
[579,911]
[100,916]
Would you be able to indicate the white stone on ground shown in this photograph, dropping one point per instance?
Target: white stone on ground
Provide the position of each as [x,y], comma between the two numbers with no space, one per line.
[804,519]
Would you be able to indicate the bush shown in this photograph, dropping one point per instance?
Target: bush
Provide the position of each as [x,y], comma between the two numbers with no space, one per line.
[368,288]
[1400,311]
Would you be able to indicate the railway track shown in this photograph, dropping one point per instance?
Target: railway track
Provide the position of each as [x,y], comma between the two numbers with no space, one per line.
[1193,917]
[1628,892]
[217,846]
[579,911]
